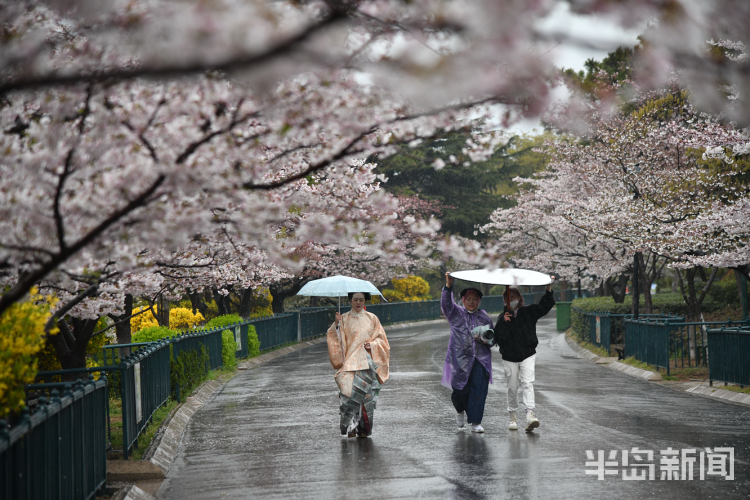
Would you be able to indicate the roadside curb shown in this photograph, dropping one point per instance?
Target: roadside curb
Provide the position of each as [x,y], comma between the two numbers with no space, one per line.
[721,394]
[613,364]
[132,492]
[635,372]
[170,441]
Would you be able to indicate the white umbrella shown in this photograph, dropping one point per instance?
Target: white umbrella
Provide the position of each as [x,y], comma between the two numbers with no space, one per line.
[338,286]
[510,277]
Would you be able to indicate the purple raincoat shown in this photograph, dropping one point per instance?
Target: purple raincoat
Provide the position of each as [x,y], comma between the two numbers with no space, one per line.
[462,348]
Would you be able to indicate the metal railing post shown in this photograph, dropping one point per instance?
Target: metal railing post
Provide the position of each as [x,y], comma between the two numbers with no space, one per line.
[299,325]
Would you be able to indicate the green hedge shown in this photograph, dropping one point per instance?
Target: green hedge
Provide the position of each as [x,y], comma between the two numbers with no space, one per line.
[188,370]
[253,343]
[227,319]
[726,291]
[152,333]
[228,350]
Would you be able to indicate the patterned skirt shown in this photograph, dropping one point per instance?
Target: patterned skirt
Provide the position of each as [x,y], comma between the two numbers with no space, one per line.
[357,411]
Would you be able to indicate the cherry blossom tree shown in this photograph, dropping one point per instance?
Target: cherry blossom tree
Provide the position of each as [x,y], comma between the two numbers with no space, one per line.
[648,180]
[131,129]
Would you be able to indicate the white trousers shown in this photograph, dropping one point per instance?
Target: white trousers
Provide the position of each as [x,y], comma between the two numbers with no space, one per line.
[523,372]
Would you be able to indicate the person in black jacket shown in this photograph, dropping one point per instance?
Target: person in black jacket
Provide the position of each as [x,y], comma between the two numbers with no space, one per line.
[515,335]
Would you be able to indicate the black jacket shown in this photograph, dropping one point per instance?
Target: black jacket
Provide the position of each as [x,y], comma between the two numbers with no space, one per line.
[517,338]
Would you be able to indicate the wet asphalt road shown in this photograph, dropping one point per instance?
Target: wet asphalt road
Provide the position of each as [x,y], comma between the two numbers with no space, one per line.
[273,433]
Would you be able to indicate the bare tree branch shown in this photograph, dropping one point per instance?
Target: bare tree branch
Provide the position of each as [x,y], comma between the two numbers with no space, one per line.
[174,70]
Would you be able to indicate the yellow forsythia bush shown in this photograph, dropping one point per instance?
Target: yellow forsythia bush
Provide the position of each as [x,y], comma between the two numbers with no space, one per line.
[21,337]
[411,288]
[393,295]
[180,318]
[142,321]
[408,289]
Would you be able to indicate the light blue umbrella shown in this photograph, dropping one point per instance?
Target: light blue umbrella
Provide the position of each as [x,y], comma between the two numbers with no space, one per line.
[338,286]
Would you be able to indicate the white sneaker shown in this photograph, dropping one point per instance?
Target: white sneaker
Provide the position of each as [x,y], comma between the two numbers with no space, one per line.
[461,420]
[477,428]
[513,423]
[531,421]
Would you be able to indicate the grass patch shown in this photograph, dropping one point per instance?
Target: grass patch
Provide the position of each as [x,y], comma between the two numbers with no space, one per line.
[222,373]
[599,351]
[687,373]
[684,374]
[115,423]
[733,388]
[639,364]
[148,433]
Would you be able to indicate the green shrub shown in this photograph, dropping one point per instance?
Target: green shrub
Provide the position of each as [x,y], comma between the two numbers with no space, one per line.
[152,333]
[188,370]
[253,343]
[228,350]
[227,319]
[725,292]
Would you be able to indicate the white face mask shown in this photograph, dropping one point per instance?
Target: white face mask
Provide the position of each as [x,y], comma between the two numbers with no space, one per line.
[513,304]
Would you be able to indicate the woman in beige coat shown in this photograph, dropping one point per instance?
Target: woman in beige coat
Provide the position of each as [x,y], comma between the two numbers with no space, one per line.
[359,351]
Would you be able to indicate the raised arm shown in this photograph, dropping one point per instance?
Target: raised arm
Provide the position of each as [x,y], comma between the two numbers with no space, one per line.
[546,303]
[447,305]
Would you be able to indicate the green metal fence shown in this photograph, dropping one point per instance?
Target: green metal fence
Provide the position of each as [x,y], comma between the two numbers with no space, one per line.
[729,355]
[275,330]
[192,340]
[315,321]
[670,342]
[59,451]
[240,337]
[142,379]
[145,387]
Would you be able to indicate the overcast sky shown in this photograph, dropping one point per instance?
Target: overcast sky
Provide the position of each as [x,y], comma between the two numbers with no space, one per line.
[602,35]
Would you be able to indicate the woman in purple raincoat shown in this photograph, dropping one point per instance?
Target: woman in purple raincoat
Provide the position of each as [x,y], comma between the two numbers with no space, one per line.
[468,363]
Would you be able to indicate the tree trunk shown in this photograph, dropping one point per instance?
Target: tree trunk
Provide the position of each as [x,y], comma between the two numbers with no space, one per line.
[564,291]
[743,296]
[162,312]
[278,294]
[693,300]
[222,303]
[283,289]
[71,343]
[645,284]
[246,303]
[122,325]
[197,303]
[636,302]
[616,289]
